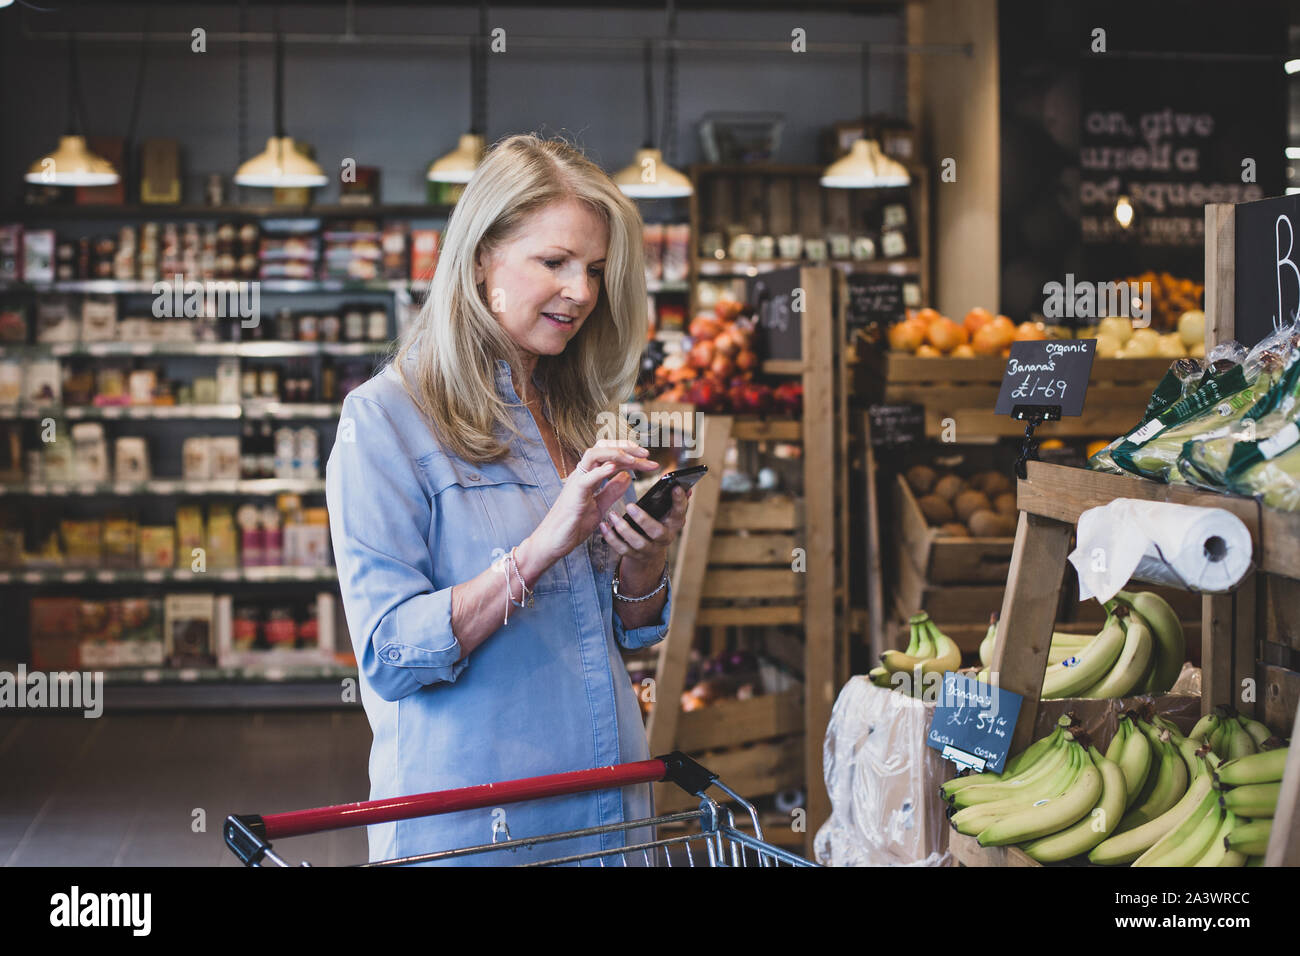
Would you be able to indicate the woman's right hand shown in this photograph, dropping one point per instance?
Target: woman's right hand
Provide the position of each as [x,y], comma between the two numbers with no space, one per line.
[583,503]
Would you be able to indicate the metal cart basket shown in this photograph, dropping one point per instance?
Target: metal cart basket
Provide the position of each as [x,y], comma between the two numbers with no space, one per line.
[711,836]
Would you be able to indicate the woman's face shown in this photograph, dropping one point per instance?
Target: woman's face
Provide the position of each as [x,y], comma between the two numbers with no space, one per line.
[543,281]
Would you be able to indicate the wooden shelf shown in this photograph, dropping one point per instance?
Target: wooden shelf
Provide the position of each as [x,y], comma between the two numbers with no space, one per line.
[966,850]
[149,212]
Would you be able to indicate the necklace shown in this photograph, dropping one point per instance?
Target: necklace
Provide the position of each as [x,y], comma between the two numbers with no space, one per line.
[559,445]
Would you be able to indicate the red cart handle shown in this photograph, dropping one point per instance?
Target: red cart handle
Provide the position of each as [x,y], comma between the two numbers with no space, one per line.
[676,767]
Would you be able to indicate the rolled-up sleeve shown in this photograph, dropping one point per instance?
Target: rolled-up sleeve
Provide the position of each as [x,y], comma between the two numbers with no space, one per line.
[380,517]
[656,631]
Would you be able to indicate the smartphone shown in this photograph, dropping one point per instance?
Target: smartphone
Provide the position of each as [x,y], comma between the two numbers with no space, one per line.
[658,501]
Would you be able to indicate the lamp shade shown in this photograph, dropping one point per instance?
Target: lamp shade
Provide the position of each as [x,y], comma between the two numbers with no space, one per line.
[72,164]
[282,166]
[865,167]
[458,166]
[649,177]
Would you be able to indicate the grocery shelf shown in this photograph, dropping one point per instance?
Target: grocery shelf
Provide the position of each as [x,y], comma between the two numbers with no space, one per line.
[248,409]
[146,286]
[215,349]
[152,211]
[165,487]
[728,268]
[667,285]
[252,575]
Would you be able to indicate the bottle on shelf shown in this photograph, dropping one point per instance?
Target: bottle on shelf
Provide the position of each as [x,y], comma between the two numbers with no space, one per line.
[248,460]
[266,450]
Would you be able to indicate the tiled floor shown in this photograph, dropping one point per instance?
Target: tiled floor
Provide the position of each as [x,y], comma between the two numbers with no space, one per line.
[153,789]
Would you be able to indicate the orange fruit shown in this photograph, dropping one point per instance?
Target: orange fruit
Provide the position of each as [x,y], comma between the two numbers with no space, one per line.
[976,319]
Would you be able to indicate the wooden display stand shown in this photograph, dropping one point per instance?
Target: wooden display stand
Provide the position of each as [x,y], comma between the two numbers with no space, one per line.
[959,394]
[734,567]
[1235,626]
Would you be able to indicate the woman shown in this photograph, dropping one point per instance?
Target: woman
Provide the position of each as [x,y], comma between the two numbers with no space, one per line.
[473,513]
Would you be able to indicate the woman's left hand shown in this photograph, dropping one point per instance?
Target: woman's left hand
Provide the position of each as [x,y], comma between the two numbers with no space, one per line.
[644,556]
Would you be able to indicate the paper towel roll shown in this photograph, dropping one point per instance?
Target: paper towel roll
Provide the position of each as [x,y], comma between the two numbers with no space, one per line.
[1202,549]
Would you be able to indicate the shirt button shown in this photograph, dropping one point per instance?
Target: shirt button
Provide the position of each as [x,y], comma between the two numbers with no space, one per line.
[472,476]
[394,654]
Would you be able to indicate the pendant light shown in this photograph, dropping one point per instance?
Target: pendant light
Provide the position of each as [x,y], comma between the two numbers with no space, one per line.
[281,165]
[72,163]
[866,166]
[458,166]
[648,176]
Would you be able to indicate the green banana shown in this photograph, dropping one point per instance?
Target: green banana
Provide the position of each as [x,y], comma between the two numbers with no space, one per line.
[1134,659]
[1170,785]
[1216,738]
[1090,665]
[1218,853]
[974,820]
[1240,743]
[1257,801]
[1250,838]
[1185,852]
[1204,727]
[1093,827]
[990,638]
[1122,731]
[983,676]
[1258,732]
[1166,724]
[1135,762]
[1167,632]
[1021,761]
[1255,860]
[1126,847]
[1189,750]
[1264,767]
[1013,787]
[1038,749]
[913,642]
[879,676]
[938,652]
[1052,814]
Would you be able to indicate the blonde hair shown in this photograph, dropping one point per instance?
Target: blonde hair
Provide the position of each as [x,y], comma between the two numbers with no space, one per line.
[456,340]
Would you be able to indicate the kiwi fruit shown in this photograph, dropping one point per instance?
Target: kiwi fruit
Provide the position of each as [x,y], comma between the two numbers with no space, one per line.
[986,524]
[996,483]
[949,487]
[969,502]
[1005,504]
[921,479]
[936,509]
[954,529]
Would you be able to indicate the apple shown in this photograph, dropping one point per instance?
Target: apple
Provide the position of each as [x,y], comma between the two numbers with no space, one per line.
[1119,327]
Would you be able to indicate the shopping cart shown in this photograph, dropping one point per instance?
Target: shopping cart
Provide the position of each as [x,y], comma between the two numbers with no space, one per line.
[712,837]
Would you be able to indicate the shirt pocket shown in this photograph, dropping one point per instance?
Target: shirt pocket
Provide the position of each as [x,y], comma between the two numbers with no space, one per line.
[479,512]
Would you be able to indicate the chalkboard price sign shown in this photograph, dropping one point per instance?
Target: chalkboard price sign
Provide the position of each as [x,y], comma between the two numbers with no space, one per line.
[874,299]
[1047,374]
[893,426]
[973,722]
[779,302]
[1267,267]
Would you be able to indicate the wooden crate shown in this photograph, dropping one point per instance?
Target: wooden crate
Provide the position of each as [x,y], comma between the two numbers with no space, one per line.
[965,390]
[755,746]
[940,559]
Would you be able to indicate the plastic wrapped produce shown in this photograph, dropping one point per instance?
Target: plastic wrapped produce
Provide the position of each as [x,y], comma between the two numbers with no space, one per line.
[1206,461]
[1152,450]
[1274,480]
[1183,378]
[883,781]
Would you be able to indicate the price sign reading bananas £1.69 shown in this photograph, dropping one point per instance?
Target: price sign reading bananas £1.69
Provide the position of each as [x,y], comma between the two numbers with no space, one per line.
[1048,374]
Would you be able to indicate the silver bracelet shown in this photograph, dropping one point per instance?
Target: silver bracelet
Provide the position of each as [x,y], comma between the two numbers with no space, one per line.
[663,583]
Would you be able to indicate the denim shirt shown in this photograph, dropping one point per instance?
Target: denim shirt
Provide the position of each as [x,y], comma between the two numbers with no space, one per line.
[546,693]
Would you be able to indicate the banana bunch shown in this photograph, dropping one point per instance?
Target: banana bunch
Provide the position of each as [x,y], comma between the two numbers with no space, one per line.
[1232,735]
[1058,798]
[1248,788]
[1139,650]
[929,651]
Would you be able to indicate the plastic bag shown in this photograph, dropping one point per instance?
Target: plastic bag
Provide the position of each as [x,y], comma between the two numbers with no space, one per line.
[883,781]
[1209,460]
